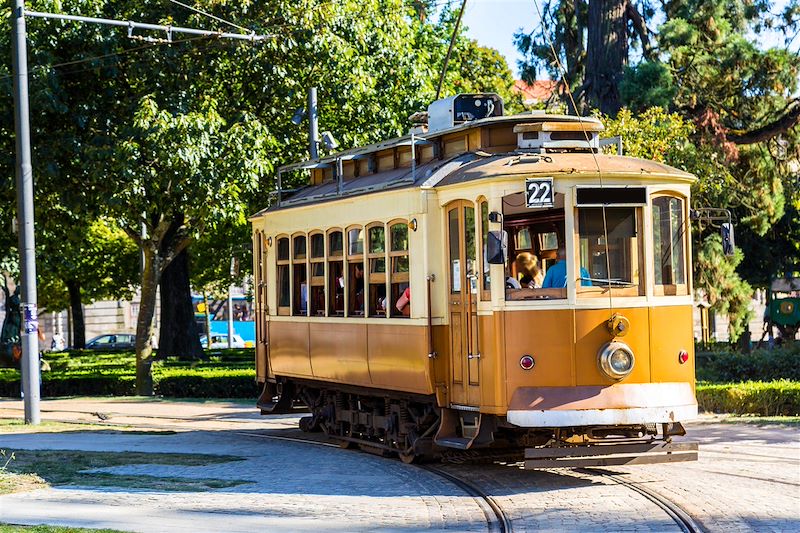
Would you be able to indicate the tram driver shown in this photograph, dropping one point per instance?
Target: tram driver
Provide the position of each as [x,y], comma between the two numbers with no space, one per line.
[556,277]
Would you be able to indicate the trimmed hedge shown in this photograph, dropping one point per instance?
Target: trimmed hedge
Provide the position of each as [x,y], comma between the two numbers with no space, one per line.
[775,398]
[224,374]
[759,365]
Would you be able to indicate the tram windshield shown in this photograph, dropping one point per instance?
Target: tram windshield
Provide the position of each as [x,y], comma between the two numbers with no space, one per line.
[536,268]
[610,248]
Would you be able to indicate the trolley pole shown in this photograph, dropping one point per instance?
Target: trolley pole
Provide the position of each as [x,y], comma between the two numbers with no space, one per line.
[313,124]
[27,255]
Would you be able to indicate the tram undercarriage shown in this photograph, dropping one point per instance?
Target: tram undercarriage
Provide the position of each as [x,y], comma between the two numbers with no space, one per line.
[415,429]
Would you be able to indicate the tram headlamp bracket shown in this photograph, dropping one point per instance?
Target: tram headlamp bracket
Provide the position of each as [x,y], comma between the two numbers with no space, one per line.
[616,360]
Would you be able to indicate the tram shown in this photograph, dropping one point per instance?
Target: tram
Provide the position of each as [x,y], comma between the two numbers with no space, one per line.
[486,282]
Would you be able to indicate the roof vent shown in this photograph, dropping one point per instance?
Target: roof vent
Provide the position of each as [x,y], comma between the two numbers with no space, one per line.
[454,110]
[559,135]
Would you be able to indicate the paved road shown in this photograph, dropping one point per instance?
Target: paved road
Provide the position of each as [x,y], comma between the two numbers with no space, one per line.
[748,479]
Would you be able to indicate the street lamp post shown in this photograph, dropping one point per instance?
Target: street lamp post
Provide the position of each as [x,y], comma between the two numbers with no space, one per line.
[27,256]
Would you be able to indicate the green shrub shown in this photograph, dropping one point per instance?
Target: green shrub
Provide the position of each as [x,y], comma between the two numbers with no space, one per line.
[774,398]
[759,365]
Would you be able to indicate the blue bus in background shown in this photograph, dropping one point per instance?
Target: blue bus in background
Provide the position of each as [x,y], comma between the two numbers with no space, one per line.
[243,317]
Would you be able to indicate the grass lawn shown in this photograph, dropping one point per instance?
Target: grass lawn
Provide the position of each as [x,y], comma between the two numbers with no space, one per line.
[31,469]
[8,528]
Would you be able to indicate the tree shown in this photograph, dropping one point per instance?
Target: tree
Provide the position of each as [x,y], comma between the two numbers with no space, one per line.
[703,63]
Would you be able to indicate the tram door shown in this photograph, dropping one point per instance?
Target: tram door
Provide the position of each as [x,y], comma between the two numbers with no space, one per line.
[463,303]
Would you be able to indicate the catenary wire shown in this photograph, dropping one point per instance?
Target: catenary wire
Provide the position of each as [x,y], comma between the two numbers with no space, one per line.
[563,74]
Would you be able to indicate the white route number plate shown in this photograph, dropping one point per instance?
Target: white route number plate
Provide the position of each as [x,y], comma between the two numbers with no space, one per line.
[539,192]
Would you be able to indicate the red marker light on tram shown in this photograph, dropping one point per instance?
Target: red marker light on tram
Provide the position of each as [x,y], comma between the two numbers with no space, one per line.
[526,362]
[683,356]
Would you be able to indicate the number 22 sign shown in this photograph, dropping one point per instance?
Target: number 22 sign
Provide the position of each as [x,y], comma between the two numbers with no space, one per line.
[539,192]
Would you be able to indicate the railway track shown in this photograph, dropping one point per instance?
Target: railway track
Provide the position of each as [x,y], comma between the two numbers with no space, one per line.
[678,515]
[496,518]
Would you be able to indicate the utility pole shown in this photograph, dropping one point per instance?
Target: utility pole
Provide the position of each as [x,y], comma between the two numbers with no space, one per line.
[27,256]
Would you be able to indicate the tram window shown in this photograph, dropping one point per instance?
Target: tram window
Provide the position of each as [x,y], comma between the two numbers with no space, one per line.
[300,291]
[284,289]
[523,241]
[335,274]
[355,272]
[537,235]
[548,241]
[317,278]
[485,276]
[469,248]
[620,268]
[335,244]
[398,256]
[355,239]
[377,301]
[283,249]
[455,262]
[300,247]
[299,277]
[317,246]
[669,237]
[283,286]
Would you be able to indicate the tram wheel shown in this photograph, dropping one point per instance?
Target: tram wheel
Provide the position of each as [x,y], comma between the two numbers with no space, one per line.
[409,458]
[308,425]
[347,445]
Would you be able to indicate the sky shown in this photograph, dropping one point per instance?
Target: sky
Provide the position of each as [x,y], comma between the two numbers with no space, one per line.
[493,23]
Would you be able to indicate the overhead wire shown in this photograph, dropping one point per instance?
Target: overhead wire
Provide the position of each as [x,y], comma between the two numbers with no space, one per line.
[219,19]
[563,74]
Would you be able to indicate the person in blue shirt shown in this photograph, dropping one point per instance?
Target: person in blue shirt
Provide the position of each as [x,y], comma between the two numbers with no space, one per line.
[556,276]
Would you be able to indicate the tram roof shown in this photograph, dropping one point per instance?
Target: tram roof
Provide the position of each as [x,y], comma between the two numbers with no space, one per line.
[473,166]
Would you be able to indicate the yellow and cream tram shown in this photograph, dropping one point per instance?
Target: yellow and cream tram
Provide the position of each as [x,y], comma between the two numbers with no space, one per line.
[486,281]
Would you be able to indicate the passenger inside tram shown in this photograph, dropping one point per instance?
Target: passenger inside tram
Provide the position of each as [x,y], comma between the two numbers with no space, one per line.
[534,237]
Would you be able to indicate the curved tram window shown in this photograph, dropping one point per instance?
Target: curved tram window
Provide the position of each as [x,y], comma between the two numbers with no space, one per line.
[284,290]
[335,273]
[669,238]
[377,271]
[355,272]
[398,256]
[299,277]
[620,269]
[317,296]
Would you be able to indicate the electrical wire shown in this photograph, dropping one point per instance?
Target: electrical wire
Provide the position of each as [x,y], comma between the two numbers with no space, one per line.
[563,74]
[200,11]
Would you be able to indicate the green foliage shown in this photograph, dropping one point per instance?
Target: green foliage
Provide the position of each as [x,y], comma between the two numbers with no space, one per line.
[647,84]
[228,374]
[776,398]
[653,134]
[760,365]
[725,290]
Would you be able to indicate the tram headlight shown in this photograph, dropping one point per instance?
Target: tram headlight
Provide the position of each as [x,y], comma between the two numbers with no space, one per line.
[616,360]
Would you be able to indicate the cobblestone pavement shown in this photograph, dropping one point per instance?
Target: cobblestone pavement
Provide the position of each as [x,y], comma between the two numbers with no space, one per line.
[748,479]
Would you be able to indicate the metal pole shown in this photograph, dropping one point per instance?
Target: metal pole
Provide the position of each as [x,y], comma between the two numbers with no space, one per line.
[27,257]
[313,124]
[230,316]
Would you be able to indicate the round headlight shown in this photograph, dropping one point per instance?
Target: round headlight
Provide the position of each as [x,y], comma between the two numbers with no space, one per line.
[616,360]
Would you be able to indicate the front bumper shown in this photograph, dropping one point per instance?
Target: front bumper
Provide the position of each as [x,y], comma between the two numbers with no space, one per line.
[619,404]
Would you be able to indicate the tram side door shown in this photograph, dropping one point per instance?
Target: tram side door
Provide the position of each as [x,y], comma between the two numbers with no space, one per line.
[463,303]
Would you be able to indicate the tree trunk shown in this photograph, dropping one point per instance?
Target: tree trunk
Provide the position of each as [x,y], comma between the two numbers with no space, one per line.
[607,53]
[144,322]
[76,312]
[179,333]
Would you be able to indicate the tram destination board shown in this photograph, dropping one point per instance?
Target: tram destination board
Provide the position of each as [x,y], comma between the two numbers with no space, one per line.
[538,192]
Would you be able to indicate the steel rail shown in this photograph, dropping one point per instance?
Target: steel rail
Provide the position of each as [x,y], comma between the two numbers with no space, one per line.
[496,519]
[678,515]
[500,522]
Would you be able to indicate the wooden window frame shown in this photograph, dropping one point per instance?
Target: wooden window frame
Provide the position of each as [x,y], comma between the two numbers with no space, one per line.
[350,259]
[375,279]
[330,258]
[399,277]
[317,281]
[601,291]
[673,289]
[283,310]
[303,261]
[486,294]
